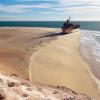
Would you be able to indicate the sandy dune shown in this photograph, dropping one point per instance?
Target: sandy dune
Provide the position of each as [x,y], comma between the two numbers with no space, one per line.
[27,53]
[16,47]
[60,63]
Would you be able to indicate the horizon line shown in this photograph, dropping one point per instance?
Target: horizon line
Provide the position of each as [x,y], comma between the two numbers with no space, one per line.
[47,20]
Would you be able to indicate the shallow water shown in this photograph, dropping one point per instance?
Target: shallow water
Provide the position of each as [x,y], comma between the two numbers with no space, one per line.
[92,39]
[90,50]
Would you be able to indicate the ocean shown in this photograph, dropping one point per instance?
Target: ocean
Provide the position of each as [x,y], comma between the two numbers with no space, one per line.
[87,25]
[89,40]
[90,50]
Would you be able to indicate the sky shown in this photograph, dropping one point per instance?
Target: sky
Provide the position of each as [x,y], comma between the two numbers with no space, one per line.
[49,10]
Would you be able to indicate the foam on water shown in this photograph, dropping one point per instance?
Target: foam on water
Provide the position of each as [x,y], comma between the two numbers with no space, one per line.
[92,38]
[90,41]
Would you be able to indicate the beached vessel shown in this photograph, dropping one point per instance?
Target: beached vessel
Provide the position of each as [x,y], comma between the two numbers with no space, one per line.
[69,26]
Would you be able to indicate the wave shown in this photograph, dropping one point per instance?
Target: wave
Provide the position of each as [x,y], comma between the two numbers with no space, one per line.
[90,50]
[92,38]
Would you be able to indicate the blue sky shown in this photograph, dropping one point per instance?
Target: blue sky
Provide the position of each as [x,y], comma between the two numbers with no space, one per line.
[52,10]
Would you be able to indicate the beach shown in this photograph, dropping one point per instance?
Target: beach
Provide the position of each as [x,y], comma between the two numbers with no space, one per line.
[45,55]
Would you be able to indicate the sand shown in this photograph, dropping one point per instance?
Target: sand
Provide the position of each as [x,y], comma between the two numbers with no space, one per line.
[16,46]
[30,53]
[60,63]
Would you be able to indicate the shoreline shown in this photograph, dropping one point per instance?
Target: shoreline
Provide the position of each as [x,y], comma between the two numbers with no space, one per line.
[43,65]
[89,57]
[88,42]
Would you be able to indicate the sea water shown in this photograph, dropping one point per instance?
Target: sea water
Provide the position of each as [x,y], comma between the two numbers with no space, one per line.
[88,25]
[90,50]
[92,38]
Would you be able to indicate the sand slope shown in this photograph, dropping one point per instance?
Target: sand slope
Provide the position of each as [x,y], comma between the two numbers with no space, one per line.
[16,46]
[60,63]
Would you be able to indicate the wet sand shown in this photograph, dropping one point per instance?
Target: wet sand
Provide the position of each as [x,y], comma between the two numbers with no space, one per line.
[60,63]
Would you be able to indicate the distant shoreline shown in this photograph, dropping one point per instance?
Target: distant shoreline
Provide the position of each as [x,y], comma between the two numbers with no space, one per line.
[86,25]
